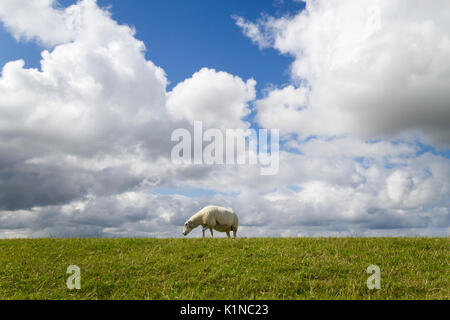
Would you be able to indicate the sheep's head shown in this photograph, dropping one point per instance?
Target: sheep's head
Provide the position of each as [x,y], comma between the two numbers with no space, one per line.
[187,228]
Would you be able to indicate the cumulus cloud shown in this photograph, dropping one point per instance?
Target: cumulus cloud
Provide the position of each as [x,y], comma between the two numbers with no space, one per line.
[372,69]
[341,185]
[338,193]
[92,124]
[85,140]
[217,98]
[96,99]
[41,20]
[282,109]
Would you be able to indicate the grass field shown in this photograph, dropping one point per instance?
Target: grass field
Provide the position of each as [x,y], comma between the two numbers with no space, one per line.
[299,268]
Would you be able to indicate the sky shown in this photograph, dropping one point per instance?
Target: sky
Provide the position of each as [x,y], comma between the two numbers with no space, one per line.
[91,92]
[199,34]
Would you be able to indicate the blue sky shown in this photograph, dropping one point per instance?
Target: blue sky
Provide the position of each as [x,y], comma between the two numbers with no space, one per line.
[184,36]
[200,33]
[365,145]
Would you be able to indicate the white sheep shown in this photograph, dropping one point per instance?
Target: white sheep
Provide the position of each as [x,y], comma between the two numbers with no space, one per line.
[213,217]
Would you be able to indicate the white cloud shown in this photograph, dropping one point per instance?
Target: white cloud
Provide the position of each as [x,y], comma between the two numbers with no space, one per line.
[88,92]
[85,144]
[217,98]
[96,100]
[252,30]
[333,194]
[282,109]
[375,69]
[41,20]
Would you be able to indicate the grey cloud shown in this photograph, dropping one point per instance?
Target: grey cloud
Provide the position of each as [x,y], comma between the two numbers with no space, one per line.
[85,141]
[26,186]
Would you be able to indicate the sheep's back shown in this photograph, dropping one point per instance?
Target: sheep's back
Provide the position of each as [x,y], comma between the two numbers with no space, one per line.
[223,216]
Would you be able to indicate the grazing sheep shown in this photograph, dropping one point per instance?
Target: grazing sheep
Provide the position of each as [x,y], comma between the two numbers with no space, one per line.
[213,217]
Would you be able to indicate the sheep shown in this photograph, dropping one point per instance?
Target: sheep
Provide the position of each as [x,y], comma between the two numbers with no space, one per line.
[213,217]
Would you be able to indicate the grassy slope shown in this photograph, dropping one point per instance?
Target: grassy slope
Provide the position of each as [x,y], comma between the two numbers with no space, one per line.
[225,269]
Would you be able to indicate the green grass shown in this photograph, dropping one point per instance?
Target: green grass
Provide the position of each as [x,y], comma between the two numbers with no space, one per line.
[302,268]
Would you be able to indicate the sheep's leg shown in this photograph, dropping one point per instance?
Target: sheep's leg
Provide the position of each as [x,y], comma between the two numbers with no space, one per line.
[228,234]
[203,230]
[212,233]
[234,233]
